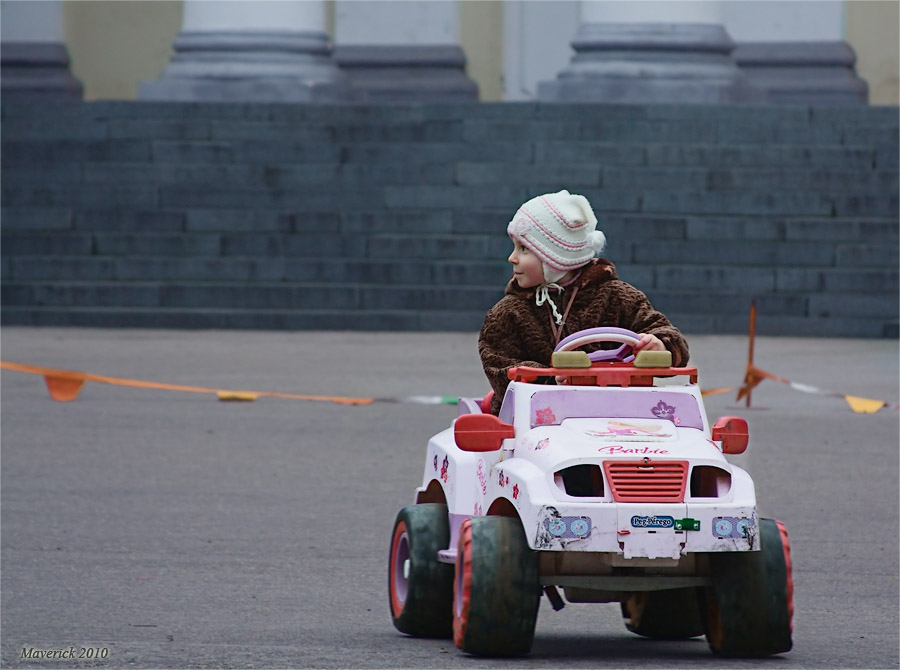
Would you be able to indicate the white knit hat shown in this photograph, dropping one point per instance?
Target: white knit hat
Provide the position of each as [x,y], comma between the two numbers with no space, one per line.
[560,228]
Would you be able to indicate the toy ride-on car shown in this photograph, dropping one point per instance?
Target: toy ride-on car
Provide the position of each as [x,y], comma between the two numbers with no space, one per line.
[611,487]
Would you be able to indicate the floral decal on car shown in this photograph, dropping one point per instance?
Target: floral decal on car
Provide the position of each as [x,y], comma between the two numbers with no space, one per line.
[544,417]
[664,411]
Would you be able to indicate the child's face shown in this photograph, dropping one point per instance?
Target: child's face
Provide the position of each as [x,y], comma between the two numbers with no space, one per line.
[528,270]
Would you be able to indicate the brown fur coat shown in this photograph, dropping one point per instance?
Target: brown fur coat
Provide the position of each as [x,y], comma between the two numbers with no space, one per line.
[518,332]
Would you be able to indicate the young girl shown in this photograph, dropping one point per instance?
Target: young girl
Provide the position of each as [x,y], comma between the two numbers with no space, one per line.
[559,288]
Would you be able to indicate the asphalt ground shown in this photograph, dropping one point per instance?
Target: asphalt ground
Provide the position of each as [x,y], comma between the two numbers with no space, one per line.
[171,530]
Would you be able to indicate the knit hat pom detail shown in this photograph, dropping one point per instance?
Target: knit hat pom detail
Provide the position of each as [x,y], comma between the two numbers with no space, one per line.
[596,240]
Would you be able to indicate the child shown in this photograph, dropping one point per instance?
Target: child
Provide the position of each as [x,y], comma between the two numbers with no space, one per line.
[559,288]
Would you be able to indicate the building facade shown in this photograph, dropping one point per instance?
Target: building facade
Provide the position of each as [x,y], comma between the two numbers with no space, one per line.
[836,51]
[170,186]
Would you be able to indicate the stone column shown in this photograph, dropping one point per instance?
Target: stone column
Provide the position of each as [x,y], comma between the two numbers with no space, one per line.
[795,51]
[34,61]
[650,52]
[252,51]
[401,51]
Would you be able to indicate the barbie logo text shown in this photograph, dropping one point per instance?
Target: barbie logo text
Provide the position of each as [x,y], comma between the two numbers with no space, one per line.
[631,450]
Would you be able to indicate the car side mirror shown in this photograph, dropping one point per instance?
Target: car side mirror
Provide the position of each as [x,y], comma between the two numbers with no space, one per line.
[733,433]
[481,432]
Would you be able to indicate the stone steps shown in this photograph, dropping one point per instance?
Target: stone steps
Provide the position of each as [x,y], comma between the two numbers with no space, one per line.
[393,217]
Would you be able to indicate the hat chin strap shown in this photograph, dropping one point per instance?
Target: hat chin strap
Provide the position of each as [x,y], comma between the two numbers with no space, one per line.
[543,296]
[552,276]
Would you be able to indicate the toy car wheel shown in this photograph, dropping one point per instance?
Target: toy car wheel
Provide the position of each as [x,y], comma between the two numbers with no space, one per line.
[749,609]
[420,586]
[673,614]
[497,589]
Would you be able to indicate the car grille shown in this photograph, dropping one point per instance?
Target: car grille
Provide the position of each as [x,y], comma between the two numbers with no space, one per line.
[647,482]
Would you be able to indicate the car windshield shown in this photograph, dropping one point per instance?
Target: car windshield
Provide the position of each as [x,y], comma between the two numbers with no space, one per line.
[552,407]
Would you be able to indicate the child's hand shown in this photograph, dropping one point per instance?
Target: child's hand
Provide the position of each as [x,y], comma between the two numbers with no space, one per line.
[649,343]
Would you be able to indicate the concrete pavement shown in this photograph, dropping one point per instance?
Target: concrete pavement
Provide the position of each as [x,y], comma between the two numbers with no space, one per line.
[178,531]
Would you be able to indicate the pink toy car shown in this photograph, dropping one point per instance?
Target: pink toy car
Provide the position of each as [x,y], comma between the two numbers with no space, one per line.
[612,487]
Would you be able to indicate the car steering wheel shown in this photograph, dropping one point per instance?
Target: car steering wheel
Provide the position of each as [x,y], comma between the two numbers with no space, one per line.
[624,353]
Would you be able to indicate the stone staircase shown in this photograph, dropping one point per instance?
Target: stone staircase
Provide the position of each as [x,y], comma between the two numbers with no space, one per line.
[175,215]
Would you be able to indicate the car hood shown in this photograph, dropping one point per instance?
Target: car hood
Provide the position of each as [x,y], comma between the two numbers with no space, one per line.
[592,440]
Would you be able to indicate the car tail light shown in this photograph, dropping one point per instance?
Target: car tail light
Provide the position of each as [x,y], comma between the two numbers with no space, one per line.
[646,480]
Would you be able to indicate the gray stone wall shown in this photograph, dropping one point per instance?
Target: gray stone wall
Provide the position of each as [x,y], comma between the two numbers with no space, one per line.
[187,215]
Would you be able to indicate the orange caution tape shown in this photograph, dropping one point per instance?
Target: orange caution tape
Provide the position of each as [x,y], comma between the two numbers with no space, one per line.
[755,375]
[64,386]
[718,391]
